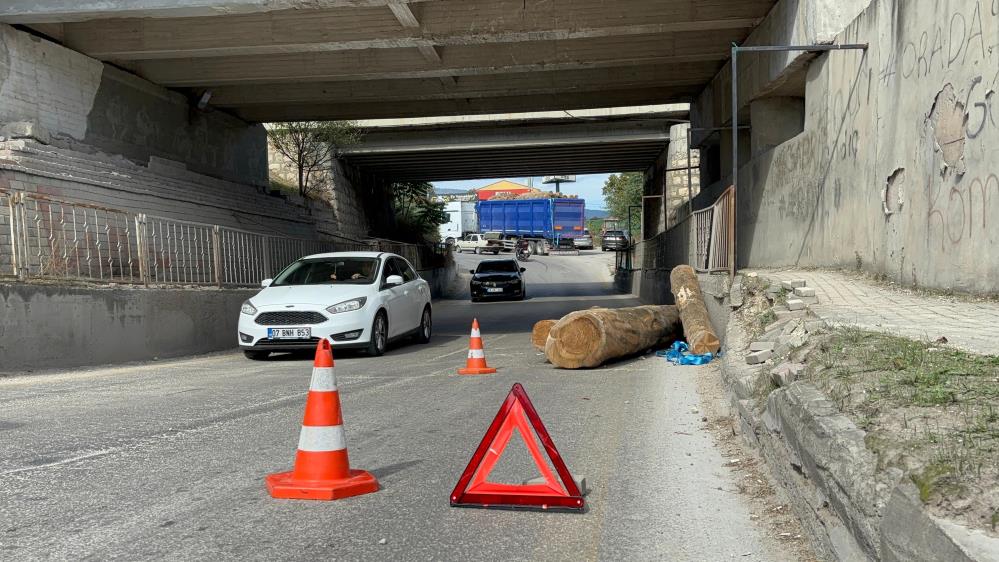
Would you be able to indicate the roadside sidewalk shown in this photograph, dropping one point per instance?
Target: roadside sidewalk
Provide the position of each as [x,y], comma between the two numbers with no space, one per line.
[845,299]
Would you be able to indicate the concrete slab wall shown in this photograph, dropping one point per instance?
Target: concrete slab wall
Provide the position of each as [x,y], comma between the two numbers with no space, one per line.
[83,131]
[44,84]
[63,97]
[54,327]
[895,172]
[139,120]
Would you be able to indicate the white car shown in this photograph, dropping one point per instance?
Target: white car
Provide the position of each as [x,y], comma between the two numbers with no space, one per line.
[354,299]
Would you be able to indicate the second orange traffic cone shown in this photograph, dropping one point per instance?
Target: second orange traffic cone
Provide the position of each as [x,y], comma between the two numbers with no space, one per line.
[476,363]
[322,470]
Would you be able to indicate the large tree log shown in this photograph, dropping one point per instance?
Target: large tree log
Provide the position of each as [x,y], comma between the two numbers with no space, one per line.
[539,334]
[701,337]
[588,338]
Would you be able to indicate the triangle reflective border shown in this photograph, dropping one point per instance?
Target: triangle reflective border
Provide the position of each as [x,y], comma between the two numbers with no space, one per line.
[474,489]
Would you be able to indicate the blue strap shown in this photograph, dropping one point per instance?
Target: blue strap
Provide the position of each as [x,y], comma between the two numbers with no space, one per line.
[678,354]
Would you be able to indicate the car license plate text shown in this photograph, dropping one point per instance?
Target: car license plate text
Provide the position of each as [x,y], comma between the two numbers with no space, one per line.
[289,333]
[494,290]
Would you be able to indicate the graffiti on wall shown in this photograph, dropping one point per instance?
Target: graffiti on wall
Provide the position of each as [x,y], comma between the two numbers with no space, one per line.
[956,40]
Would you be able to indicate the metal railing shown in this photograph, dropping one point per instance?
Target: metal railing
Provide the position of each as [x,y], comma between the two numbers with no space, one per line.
[47,238]
[6,235]
[714,228]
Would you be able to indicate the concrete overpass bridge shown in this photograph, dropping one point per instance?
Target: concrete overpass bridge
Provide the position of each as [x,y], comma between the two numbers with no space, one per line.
[190,80]
[274,60]
[235,63]
[516,145]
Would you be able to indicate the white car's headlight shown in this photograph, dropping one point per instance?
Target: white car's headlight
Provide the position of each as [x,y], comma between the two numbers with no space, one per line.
[248,308]
[347,306]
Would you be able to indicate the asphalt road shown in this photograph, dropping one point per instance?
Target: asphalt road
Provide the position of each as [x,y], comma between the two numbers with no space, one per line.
[167,459]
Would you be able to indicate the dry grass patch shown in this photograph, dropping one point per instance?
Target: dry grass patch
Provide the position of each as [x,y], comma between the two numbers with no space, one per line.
[929,410]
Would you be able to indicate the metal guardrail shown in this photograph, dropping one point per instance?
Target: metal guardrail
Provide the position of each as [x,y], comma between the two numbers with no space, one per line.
[47,238]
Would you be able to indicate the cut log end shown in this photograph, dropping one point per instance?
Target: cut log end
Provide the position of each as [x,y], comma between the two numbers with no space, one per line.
[577,338]
[539,335]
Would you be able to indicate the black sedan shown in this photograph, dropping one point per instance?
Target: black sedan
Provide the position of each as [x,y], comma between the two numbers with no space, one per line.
[498,279]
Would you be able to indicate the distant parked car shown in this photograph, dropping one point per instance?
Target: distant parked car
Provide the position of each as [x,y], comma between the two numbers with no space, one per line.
[584,242]
[479,244]
[614,240]
[498,279]
[354,299]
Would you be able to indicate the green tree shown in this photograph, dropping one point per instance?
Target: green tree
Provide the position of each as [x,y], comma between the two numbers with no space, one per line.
[417,214]
[622,191]
[310,147]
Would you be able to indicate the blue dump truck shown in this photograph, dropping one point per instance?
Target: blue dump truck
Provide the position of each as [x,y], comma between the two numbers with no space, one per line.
[550,220]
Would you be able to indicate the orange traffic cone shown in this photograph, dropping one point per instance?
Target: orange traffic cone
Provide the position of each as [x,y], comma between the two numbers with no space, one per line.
[476,364]
[322,471]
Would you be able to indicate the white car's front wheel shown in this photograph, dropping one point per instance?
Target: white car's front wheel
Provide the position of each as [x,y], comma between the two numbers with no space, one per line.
[426,326]
[379,335]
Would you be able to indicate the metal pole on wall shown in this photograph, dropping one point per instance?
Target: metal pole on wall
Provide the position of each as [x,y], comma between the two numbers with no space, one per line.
[690,173]
[735,116]
[735,153]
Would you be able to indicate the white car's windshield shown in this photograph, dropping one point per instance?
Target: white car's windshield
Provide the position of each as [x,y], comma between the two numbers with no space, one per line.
[323,271]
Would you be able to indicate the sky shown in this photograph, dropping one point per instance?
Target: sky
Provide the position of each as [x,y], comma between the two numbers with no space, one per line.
[588,187]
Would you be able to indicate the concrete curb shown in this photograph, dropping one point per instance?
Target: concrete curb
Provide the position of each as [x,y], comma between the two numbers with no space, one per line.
[818,456]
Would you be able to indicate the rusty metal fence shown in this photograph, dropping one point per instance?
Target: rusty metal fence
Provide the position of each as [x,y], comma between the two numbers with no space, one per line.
[714,228]
[47,238]
[6,235]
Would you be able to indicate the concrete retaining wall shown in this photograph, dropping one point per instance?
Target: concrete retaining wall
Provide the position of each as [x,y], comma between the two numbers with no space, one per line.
[50,327]
[895,169]
[58,326]
[818,456]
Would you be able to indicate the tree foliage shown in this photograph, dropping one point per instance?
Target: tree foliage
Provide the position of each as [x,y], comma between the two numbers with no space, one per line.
[310,147]
[417,214]
[622,191]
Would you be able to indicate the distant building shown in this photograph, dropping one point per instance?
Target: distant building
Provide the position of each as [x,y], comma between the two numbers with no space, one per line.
[503,186]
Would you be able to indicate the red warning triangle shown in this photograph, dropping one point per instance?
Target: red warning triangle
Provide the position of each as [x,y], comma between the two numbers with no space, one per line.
[474,489]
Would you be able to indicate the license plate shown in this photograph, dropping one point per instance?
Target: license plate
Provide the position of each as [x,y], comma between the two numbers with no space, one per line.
[494,290]
[289,333]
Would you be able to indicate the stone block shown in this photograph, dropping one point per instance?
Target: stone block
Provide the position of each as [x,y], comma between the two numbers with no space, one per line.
[795,325]
[789,314]
[804,292]
[812,326]
[795,304]
[776,325]
[797,339]
[808,300]
[761,346]
[758,357]
[786,373]
[793,284]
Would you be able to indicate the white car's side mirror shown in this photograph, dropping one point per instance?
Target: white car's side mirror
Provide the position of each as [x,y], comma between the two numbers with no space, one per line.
[394,280]
[266,283]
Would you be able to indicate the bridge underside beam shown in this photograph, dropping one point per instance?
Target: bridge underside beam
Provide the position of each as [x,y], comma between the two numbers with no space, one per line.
[553,146]
[274,60]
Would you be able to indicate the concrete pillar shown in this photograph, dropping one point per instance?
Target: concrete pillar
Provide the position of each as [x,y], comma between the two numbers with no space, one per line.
[677,192]
[775,120]
[745,150]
